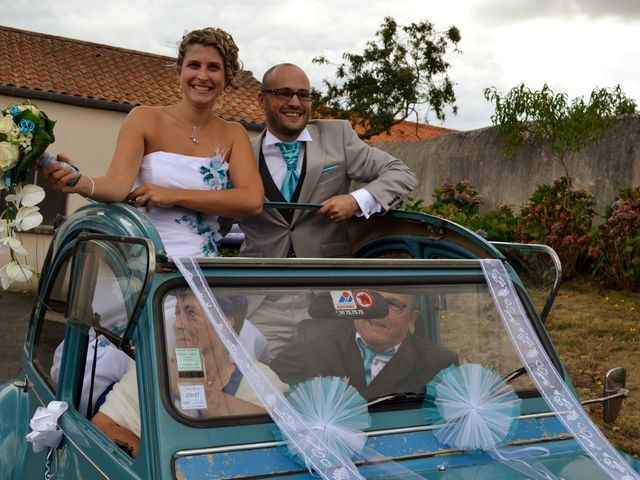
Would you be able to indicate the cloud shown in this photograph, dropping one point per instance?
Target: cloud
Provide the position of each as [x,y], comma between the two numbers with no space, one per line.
[573,45]
[507,11]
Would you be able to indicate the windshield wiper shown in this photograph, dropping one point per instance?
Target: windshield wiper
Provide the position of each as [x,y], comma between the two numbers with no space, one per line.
[397,397]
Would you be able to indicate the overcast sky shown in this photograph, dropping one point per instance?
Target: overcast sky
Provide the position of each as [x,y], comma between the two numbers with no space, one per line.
[572,45]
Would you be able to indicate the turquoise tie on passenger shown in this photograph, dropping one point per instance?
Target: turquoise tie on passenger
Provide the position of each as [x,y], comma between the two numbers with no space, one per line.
[290,151]
[368,355]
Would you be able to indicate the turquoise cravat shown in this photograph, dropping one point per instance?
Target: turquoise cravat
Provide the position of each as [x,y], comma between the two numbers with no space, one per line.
[368,355]
[290,152]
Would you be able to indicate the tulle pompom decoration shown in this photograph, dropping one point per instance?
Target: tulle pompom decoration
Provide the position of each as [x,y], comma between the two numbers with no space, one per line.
[334,411]
[477,409]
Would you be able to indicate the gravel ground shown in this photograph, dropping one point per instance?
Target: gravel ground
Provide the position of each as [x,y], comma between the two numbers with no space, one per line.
[15,310]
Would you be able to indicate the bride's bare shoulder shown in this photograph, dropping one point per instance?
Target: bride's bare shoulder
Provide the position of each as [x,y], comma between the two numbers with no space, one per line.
[231,127]
[145,112]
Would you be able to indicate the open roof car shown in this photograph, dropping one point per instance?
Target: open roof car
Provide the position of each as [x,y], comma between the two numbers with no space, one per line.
[424,356]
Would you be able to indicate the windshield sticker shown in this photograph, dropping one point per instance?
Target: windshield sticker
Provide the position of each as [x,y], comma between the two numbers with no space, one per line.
[192,397]
[189,360]
[364,299]
[343,300]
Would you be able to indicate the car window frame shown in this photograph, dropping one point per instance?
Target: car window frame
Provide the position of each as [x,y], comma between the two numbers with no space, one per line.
[321,278]
[138,306]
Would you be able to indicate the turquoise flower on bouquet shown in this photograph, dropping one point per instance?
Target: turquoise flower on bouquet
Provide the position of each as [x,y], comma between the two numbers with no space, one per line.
[25,133]
[14,110]
[473,406]
[26,126]
[30,130]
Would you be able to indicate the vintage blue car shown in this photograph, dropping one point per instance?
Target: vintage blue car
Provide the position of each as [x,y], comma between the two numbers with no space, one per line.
[461,393]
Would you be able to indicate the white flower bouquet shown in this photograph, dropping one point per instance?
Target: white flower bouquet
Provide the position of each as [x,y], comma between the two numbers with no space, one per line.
[25,133]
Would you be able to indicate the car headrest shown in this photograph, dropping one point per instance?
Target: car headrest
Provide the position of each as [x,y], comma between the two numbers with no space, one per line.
[351,304]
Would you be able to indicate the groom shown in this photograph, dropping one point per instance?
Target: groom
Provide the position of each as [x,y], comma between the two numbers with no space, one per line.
[314,161]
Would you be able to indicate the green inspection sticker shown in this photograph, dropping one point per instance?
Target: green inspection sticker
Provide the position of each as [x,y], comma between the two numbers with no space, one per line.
[189,359]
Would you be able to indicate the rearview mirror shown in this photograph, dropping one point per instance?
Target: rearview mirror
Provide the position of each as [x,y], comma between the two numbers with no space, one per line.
[614,382]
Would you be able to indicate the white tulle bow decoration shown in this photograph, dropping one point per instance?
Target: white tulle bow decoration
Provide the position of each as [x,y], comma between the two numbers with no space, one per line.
[478,410]
[335,411]
[44,424]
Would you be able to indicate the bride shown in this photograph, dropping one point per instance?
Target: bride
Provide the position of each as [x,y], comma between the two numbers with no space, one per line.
[182,164]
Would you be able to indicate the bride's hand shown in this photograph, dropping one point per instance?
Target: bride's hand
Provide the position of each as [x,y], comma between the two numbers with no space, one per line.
[150,195]
[57,175]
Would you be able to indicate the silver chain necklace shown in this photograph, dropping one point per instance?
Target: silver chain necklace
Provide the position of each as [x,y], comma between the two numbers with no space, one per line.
[192,137]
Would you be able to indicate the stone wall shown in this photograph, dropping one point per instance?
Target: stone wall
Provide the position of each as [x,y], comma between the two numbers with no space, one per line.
[476,156]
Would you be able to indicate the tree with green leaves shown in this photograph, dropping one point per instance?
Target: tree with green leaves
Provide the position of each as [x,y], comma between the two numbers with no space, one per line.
[398,73]
[545,118]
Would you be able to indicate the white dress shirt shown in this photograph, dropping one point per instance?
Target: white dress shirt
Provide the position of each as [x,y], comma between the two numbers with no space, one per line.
[278,169]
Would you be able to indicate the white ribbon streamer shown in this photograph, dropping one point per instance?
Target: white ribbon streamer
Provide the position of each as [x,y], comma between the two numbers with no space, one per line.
[547,379]
[528,466]
[44,426]
[303,439]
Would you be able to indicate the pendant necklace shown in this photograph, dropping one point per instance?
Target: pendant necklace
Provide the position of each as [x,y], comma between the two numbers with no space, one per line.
[192,137]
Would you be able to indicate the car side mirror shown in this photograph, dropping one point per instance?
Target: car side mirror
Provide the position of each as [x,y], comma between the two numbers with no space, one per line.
[614,383]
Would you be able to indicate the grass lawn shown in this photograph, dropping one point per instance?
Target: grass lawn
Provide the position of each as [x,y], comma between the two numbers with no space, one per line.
[595,330]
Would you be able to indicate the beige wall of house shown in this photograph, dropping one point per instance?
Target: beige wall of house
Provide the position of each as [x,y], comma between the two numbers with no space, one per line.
[88,136]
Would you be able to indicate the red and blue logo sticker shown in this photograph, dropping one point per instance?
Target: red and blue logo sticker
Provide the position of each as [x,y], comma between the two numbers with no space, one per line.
[346,300]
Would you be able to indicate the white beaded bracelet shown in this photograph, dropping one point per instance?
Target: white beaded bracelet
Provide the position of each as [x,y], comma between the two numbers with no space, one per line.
[93,187]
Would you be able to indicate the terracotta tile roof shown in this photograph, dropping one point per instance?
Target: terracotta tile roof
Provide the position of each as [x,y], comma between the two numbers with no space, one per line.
[60,65]
[408,131]
[88,70]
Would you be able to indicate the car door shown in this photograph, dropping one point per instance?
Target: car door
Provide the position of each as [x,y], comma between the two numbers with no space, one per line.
[34,385]
[78,349]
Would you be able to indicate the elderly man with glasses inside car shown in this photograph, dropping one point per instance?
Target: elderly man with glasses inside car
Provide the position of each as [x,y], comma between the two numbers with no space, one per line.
[314,161]
[378,348]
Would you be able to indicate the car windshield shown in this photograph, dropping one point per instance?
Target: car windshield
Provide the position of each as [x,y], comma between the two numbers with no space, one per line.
[387,341]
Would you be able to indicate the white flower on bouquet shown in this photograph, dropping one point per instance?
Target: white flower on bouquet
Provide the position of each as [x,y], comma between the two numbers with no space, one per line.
[31,107]
[13,271]
[9,154]
[27,195]
[12,243]
[7,125]
[28,218]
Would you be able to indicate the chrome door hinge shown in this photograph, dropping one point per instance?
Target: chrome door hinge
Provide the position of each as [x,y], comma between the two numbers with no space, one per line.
[23,384]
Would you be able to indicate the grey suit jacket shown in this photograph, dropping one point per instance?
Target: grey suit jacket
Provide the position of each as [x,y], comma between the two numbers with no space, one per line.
[335,157]
[328,348]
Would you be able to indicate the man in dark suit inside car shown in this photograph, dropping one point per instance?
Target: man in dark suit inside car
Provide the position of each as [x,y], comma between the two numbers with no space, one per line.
[374,346]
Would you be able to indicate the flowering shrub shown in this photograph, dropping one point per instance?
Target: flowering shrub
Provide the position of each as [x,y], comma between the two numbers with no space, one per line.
[460,203]
[463,196]
[616,245]
[496,225]
[25,133]
[559,216]
[457,203]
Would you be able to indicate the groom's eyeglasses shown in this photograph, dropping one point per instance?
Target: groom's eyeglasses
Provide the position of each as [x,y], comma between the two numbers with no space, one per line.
[287,94]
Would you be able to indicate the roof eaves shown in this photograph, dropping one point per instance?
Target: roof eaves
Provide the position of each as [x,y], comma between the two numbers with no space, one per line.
[75,100]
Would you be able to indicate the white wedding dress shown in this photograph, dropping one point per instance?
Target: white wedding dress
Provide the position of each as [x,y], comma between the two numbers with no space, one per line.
[185,232]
